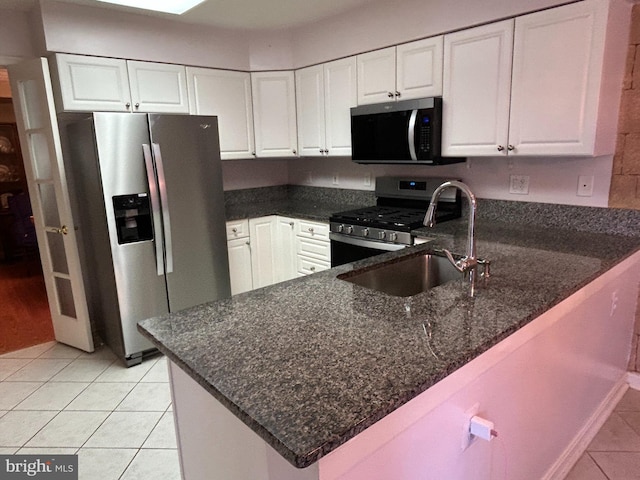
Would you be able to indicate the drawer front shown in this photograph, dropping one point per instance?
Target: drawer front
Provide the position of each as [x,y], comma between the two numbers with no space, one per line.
[318,249]
[237,229]
[307,266]
[309,229]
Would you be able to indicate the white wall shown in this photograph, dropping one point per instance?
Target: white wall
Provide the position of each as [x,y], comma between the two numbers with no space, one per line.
[240,174]
[552,180]
[385,23]
[15,37]
[97,31]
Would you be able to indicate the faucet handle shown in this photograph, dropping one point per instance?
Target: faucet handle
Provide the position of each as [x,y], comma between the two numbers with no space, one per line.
[486,267]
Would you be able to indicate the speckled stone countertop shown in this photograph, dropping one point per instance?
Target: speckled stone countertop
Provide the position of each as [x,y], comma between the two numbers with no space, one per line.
[312,362]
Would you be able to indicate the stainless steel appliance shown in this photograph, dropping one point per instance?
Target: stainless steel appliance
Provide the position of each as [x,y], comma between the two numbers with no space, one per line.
[149,208]
[409,131]
[401,204]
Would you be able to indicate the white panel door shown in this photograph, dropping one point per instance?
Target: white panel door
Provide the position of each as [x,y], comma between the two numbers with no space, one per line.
[227,95]
[285,252]
[44,167]
[377,76]
[340,94]
[89,84]
[158,87]
[557,65]
[419,68]
[274,113]
[264,235]
[310,107]
[476,90]
[239,251]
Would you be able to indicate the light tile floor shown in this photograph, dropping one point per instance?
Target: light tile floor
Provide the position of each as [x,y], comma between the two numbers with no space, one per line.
[56,399]
[614,453]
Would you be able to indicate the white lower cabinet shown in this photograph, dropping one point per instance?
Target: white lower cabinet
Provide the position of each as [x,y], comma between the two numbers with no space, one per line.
[271,249]
[239,250]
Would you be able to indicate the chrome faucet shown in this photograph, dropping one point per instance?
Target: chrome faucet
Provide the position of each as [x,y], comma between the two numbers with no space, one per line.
[468,263]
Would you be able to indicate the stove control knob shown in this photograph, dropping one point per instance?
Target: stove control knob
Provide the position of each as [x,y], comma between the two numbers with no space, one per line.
[349,229]
[382,235]
[340,228]
[365,232]
[393,236]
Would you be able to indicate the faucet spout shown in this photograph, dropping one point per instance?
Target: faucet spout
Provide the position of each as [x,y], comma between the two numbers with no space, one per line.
[469,262]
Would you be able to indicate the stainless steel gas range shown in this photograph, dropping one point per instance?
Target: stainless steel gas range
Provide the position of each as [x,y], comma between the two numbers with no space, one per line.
[401,203]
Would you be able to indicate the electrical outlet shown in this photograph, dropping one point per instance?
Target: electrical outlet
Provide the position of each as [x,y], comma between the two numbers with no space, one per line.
[519,184]
[367,179]
[336,180]
[585,185]
[467,438]
[614,303]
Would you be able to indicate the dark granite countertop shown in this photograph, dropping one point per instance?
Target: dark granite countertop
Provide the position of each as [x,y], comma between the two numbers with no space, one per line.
[312,362]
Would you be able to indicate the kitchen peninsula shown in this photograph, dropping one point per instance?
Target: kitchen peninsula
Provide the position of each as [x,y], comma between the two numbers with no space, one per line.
[347,383]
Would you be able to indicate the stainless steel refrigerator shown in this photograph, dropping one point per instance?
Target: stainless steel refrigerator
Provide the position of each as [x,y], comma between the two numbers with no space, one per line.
[148,206]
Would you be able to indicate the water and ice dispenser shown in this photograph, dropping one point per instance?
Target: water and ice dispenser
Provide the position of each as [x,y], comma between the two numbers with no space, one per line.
[133,218]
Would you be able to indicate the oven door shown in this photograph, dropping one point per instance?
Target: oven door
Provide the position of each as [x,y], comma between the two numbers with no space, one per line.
[346,249]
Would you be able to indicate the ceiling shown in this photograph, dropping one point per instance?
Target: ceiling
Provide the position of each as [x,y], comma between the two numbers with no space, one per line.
[246,14]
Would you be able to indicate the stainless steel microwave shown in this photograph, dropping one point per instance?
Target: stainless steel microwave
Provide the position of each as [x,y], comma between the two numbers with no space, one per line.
[406,132]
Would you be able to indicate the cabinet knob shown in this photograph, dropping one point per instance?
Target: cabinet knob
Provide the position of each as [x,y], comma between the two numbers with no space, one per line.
[511,148]
[253,153]
[295,152]
[137,105]
[310,229]
[128,105]
[234,230]
[500,148]
[313,269]
[291,224]
[248,243]
[398,94]
[390,94]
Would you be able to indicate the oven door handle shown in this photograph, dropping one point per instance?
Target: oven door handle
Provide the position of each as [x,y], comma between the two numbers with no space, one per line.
[361,242]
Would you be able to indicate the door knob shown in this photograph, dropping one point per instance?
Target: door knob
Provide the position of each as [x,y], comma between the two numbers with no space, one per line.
[63,230]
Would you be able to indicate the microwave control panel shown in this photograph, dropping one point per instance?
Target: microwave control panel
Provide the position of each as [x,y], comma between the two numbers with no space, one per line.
[423,149]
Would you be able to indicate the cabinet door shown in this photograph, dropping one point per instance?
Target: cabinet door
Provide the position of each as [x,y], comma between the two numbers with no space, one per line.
[310,105]
[240,265]
[263,234]
[274,113]
[91,84]
[557,65]
[158,87]
[285,252]
[227,95]
[377,76]
[419,68]
[340,94]
[476,90]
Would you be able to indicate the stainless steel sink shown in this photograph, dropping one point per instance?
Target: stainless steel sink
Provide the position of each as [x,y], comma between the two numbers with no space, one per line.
[407,276]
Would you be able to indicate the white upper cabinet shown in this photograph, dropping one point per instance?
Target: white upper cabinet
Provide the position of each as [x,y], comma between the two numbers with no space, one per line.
[325,95]
[158,87]
[419,68]
[550,103]
[274,113]
[377,76]
[91,84]
[410,70]
[476,90]
[227,95]
[557,68]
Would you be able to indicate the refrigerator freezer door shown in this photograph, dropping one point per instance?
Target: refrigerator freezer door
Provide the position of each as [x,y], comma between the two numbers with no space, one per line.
[189,157]
[141,292]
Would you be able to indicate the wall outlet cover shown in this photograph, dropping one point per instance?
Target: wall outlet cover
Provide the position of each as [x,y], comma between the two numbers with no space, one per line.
[519,184]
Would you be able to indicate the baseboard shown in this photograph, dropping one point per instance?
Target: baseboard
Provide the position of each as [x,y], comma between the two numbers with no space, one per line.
[565,462]
[633,379]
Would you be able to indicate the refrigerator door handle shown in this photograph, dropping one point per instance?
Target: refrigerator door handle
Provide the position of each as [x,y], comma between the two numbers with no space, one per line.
[155,208]
[166,220]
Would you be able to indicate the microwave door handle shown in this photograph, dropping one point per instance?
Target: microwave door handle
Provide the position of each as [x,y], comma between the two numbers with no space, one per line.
[411,137]
[155,208]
